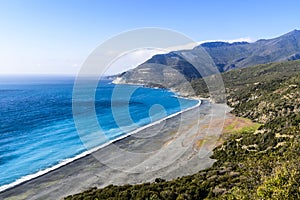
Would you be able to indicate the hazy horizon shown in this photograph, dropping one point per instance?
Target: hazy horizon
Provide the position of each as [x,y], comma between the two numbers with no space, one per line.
[56,37]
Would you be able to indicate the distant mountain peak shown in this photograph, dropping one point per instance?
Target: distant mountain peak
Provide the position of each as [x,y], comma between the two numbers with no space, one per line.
[168,69]
[292,33]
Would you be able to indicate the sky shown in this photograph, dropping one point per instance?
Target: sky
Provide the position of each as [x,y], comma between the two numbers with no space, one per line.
[57,36]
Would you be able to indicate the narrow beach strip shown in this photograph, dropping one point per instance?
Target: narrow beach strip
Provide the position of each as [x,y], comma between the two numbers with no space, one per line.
[88,152]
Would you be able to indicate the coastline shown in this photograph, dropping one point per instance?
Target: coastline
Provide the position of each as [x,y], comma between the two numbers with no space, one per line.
[68,161]
[93,170]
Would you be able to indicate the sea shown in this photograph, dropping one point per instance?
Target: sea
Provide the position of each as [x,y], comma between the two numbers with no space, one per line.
[38,132]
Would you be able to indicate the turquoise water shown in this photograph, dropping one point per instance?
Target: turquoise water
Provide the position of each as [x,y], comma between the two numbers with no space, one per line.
[37,129]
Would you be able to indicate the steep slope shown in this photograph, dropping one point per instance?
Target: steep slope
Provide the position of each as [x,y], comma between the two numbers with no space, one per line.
[172,69]
[171,66]
[227,55]
[261,164]
[238,55]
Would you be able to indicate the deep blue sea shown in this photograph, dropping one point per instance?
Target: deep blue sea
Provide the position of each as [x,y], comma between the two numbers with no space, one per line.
[37,129]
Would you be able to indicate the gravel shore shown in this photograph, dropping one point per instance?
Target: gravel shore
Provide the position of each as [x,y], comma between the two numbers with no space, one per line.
[166,150]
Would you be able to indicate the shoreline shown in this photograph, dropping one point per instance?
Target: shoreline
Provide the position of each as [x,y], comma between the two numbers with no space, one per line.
[94,170]
[67,161]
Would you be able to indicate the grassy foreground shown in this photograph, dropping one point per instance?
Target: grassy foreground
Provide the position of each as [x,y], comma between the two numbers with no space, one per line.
[255,161]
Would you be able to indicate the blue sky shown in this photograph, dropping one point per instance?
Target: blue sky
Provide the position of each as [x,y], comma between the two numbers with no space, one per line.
[56,36]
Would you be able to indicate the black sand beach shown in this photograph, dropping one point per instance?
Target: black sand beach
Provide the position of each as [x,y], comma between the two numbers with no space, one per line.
[166,150]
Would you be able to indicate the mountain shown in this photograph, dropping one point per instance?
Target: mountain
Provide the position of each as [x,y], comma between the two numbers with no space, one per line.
[243,54]
[252,163]
[173,70]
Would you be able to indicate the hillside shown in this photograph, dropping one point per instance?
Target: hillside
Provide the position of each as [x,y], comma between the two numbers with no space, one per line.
[251,164]
[242,54]
[172,69]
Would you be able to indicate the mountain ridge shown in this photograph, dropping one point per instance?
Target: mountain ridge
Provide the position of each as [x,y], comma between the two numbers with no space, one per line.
[171,70]
[251,163]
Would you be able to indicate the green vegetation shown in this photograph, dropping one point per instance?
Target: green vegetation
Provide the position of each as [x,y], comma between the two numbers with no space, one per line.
[252,163]
[241,125]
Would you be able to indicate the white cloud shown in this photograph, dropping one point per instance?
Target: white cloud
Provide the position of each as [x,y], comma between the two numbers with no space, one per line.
[182,47]
[243,39]
[132,59]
